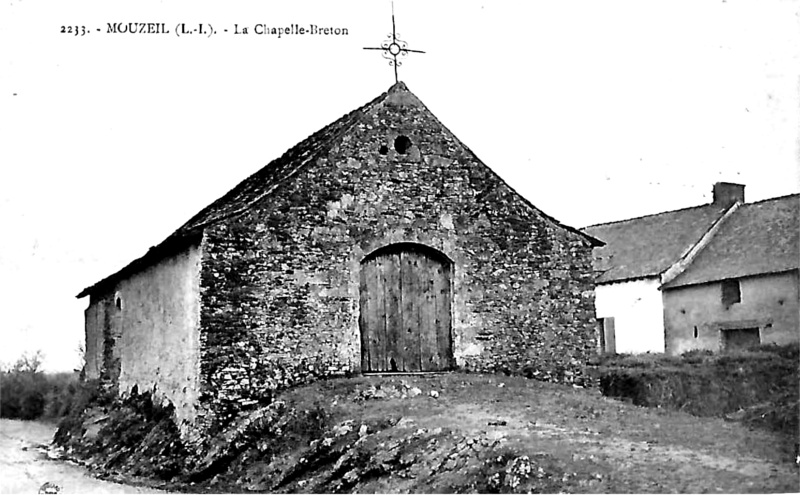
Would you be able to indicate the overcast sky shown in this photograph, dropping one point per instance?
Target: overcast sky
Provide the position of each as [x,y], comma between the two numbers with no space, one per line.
[595,111]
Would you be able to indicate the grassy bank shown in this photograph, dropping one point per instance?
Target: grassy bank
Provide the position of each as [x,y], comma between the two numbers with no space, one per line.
[757,386]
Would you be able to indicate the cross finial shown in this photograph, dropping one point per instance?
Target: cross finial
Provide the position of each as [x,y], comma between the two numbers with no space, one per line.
[393,48]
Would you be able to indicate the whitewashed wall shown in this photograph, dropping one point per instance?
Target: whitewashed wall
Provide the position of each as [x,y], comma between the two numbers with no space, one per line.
[638,313]
[154,332]
[160,347]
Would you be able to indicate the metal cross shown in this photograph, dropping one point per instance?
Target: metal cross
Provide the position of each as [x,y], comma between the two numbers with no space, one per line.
[394,47]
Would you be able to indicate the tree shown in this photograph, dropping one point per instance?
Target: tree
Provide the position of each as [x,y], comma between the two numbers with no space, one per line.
[29,363]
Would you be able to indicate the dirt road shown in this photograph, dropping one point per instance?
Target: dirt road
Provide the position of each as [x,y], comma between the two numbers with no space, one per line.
[25,467]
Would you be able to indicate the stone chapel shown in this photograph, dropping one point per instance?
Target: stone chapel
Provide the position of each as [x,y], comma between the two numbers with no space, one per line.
[380,243]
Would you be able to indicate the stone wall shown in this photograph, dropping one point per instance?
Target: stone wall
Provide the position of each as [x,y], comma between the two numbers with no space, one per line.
[770,303]
[280,283]
[143,332]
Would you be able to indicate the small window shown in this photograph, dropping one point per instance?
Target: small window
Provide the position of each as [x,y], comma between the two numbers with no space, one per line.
[731,292]
[402,144]
[696,333]
[383,149]
[118,301]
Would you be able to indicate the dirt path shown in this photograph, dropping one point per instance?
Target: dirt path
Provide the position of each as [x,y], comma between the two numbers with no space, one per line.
[25,467]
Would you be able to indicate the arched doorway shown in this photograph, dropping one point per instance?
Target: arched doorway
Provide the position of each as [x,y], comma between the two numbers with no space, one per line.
[405,318]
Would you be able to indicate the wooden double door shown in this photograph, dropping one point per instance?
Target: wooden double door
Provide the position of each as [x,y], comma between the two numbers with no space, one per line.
[405,310]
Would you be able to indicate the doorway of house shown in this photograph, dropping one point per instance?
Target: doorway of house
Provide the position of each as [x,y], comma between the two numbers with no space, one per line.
[740,338]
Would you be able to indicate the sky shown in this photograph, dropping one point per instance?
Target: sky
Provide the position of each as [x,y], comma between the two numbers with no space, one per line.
[593,110]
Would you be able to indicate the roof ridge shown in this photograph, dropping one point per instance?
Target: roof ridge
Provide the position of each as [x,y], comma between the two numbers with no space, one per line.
[785,196]
[652,215]
[776,198]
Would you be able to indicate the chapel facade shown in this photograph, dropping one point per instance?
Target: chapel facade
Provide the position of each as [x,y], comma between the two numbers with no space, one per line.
[380,243]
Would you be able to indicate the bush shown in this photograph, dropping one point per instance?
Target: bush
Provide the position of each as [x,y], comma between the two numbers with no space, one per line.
[19,396]
[646,360]
[22,388]
[28,393]
[86,393]
[62,394]
[786,351]
[697,356]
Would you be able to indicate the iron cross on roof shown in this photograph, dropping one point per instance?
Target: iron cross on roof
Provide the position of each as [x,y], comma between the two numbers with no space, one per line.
[394,47]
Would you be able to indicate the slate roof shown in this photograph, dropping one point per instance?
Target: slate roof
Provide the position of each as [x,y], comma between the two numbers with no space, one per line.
[263,182]
[758,238]
[647,246]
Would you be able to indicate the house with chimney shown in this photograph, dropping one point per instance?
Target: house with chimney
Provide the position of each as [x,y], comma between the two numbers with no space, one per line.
[718,276]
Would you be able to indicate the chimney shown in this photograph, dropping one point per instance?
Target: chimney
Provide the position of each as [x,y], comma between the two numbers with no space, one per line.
[727,193]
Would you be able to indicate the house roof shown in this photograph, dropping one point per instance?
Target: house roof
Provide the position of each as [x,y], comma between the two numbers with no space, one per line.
[647,246]
[758,238]
[265,181]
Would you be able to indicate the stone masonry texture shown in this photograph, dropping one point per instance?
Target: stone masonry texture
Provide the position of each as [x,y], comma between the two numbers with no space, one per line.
[280,281]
